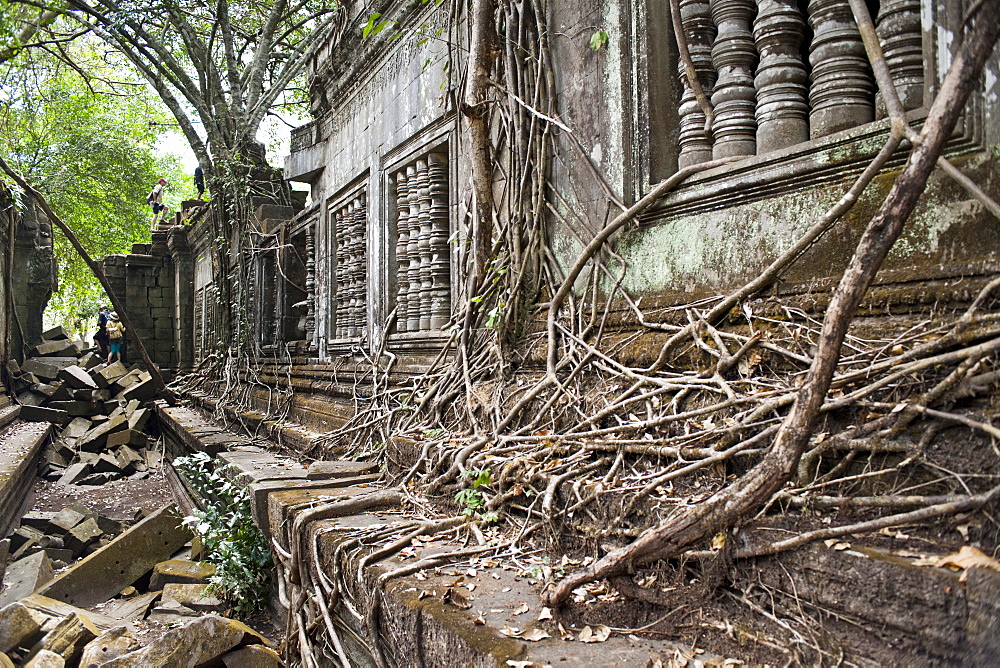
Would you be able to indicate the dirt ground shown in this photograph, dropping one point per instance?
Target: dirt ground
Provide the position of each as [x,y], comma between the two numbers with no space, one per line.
[117,499]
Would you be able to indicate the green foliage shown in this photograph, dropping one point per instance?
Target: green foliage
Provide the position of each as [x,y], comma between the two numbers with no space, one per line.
[473,500]
[598,40]
[234,544]
[89,146]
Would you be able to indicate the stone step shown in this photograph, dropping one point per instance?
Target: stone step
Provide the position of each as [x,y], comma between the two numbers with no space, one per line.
[20,450]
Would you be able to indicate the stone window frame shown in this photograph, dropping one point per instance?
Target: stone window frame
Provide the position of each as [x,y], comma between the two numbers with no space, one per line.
[438,137]
[807,164]
[327,265]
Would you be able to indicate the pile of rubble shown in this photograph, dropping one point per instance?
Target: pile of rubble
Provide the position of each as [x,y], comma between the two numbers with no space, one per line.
[136,599]
[99,408]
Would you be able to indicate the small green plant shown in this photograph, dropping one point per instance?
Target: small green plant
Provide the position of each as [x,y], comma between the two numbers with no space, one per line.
[233,543]
[598,40]
[473,500]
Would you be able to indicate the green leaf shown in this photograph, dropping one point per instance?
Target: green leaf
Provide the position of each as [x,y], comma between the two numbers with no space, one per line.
[598,40]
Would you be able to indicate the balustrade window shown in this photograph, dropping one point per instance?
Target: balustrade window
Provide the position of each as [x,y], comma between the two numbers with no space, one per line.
[780,72]
[419,190]
[348,232]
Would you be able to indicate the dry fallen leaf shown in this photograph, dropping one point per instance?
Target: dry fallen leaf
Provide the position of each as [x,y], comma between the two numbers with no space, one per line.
[718,541]
[966,558]
[545,614]
[598,633]
[841,546]
[563,633]
[534,635]
[510,632]
[519,664]
[523,608]
[479,621]
[457,598]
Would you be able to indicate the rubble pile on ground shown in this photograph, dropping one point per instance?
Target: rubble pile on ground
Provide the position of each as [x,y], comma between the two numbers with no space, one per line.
[98,407]
[135,600]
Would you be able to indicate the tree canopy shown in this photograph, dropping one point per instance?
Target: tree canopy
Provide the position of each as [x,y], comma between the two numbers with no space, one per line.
[85,135]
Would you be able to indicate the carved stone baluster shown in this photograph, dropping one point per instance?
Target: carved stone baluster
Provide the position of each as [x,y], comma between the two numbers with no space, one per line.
[424,188]
[341,286]
[352,259]
[841,94]
[440,270]
[695,145]
[781,81]
[402,253]
[734,98]
[360,284]
[310,283]
[899,33]
[413,251]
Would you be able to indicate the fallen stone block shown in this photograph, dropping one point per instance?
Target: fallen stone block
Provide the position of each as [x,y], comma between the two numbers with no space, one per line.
[90,360]
[152,459]
[75,473]
[92,395]
[76,378]
[67,518]
[26,576]
[37,519]
[127,437]
[44,414]
[76,428]
[133,608]
[95,479]
[84,534]
[45,659]
[69,637]
[53,458]
[95,439]
[252,656]
[45,388]
[22,535]
[105,376]
[57,333]
[109,645]
[56,610]
[101,575]
[194,596]
[339,469]
[138,419]
[54,348]
[180,571]
[172,612]
[76,408]
[204,639]
[19,626]
[29,398]
[47,368]
[107,463]
[144,390]
[59,556]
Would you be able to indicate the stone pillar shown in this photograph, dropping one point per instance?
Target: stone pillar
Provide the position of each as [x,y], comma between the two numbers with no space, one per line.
[841,91]
[402,250]
[183,296]
[413,250]
[734,98]
[694,144]
[781,81]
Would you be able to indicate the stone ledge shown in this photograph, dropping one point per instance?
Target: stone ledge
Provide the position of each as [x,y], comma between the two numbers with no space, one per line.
[20,448]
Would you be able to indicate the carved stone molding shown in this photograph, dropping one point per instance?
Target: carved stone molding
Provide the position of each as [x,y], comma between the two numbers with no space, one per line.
[898,28]
[842,89]
[734,97]
[781,81]
[695,144]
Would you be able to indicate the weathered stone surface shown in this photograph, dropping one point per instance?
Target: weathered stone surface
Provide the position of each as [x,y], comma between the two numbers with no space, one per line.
[69,636]
[44,414]
[47,368]
[77,408]
[107,463]
[26,576]
[55,334]
[131,609]
[83,535]
[67,518]
[144,390]
[253,656]
[37,519]
[76,378]
[107,646]
[129,437]
[57,609]
[19,626]
[138,419]
[77,427]
[29,398]
[172,612]
[106,375]
[75,473]
[46,659]
[6,661]
[202,640]
[180,571]
[95,439]
[194,596]
[50,348]
[101,575]
[339,469]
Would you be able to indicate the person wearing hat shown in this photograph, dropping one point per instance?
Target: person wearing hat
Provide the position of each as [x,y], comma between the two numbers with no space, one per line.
[116,336]
[155,199]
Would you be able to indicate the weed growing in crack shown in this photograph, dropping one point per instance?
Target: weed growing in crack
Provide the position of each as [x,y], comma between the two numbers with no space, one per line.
[233,543]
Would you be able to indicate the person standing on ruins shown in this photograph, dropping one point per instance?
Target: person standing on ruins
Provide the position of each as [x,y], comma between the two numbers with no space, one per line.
[155,199]
[116,336]
[101,337]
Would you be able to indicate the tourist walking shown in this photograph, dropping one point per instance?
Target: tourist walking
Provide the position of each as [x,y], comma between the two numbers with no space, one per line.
[155,200]
[116,336]
[101,337]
